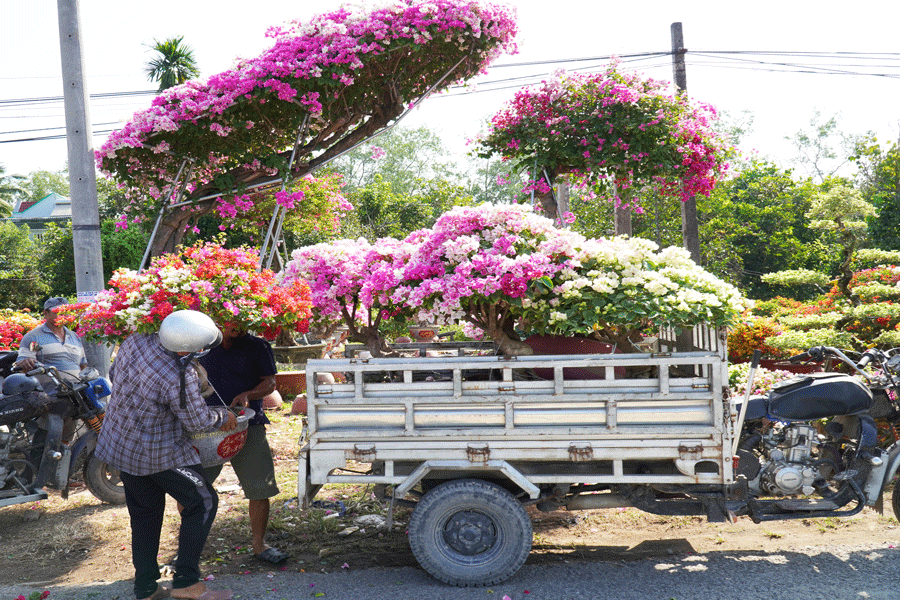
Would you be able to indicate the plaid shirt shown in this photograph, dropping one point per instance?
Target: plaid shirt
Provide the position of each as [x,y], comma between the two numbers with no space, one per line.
[145,431]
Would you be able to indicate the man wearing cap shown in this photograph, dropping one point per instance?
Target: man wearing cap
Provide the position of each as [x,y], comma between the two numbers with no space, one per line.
[52,345]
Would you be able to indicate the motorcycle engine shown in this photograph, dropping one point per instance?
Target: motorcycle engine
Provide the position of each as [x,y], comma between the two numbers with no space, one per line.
[790,468]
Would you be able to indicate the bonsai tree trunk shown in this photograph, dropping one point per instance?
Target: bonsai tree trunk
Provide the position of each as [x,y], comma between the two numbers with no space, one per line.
[368,335]
[497,323]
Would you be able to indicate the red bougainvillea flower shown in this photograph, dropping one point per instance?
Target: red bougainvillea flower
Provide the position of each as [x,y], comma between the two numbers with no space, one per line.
[223,283]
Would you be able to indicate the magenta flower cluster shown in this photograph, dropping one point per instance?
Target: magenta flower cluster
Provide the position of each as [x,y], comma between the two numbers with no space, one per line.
[610,130]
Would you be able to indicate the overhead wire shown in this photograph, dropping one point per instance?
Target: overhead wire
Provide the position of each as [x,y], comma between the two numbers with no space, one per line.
[727,59]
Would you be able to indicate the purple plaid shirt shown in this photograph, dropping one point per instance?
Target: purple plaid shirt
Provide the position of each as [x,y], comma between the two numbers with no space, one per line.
[145,431]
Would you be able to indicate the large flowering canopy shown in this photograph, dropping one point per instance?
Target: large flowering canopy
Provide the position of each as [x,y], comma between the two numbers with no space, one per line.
[219,282]
[610,130]
[346,74]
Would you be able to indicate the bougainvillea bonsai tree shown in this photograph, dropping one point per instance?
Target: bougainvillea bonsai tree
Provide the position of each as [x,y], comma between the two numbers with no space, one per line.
[223,283]
[323,87]
[615,132]
[506,270]
[476,264]
[351,283]
[616,290]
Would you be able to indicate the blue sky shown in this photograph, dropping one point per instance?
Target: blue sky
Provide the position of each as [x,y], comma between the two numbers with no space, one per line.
[773,88]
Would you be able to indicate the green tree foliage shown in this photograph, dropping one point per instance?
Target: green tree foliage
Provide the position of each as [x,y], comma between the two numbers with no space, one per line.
[21,283]
[379,211]
[406,158]
[492,180]
[39,184]
[759,219]
[9,189]
[110,199]
[122,248]
[881,187]
[172,64]
[822,150]
[842,210]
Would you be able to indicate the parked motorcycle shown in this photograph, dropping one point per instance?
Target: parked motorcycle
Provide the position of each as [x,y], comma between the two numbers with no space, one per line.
[809,448]
[35,446]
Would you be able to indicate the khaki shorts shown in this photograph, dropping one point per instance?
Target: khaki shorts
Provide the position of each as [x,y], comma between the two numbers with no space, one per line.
[253,466]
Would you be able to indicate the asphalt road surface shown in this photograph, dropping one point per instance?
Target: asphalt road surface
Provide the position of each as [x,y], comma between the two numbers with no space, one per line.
[833,572]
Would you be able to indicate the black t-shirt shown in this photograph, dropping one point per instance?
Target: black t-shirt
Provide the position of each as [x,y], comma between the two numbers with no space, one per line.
[238,369]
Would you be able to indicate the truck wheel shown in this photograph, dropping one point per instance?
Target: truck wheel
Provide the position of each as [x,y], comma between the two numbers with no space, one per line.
[469,532]
[103,481]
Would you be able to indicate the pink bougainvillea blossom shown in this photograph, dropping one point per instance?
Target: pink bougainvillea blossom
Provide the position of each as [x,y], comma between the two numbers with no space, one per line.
[610,130]
[329,72]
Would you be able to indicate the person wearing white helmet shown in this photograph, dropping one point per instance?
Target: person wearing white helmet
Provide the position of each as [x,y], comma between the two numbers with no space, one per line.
[155,403]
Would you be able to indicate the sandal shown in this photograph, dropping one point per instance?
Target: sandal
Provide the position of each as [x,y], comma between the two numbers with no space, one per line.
[272,555]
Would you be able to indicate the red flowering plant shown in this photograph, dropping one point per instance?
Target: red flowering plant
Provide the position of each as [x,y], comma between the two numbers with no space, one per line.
[222,283]
[13,325]
[749,335]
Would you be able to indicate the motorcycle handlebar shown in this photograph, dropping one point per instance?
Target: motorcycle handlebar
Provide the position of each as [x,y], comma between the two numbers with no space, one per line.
[816,354]
[865,360]
[803,356]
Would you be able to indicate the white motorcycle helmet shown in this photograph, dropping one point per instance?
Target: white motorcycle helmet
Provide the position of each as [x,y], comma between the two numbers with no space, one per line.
[189,331]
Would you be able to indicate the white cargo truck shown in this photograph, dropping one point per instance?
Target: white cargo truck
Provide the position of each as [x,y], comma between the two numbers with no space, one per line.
[470,441]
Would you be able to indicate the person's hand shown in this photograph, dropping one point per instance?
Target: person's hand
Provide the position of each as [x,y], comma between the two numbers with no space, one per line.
[26,364]
[230,422]
[242,400]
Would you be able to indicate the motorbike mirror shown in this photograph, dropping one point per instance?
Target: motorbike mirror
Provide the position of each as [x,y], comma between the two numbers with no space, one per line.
[893,364]
[89,373]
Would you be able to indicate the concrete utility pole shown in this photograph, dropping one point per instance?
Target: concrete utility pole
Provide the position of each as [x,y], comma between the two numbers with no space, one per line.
[690,229]
[82,176]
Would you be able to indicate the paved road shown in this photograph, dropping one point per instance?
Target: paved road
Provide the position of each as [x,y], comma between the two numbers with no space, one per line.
[838,573]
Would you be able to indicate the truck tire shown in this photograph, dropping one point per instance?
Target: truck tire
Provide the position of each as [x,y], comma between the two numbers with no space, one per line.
[469,532]
[103,481]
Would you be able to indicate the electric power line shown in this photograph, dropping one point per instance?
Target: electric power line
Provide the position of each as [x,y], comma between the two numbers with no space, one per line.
[727,59]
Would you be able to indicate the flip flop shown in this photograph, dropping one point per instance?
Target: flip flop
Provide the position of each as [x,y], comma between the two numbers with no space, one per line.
[272,555]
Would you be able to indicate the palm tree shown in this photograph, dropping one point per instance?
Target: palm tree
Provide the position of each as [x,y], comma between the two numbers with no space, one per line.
[174,64]
[9,188]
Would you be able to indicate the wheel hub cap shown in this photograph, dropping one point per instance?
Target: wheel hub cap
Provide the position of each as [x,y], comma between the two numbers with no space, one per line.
[470,533]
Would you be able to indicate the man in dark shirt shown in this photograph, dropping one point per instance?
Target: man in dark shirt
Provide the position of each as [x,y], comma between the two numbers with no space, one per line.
[242,371]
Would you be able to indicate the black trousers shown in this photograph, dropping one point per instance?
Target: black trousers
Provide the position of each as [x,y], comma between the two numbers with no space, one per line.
[145,497]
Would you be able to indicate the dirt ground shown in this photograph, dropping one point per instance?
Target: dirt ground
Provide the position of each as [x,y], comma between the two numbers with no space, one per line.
[81,540]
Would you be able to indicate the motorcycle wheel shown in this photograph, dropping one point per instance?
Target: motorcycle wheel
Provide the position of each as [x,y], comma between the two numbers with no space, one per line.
[103,481]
